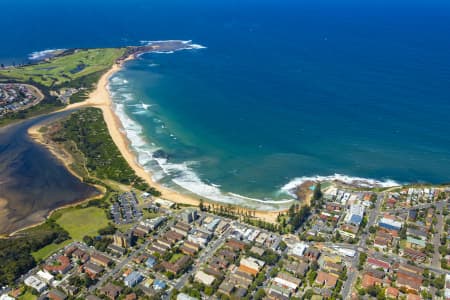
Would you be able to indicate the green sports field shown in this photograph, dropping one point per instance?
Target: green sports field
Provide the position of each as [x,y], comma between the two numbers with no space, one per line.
[82,221]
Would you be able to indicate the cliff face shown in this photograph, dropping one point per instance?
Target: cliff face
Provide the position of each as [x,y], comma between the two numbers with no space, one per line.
[304,192]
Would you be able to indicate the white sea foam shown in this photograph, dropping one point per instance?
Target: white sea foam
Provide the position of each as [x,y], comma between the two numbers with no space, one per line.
[140,112]
[182,174]
[188,45]
[261,201]
[39,55]
[163,52]
[145,106]
[142,105]
[290,187]
[197,46]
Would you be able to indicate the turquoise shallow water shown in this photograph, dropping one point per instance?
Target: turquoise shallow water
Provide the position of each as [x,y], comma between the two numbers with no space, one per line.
[284,90]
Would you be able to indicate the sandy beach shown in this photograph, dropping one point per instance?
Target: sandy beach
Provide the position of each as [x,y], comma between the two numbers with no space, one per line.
[101,98]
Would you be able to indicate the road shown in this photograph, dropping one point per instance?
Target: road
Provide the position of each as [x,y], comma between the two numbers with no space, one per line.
[126,260]
[438,230]
[352,274]
[420,206]
[119,267]
[203,258]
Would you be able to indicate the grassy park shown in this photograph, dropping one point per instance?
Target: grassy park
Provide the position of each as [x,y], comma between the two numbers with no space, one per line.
[78,68]
[74,65]
[27,296]
[45,252]
[79,222]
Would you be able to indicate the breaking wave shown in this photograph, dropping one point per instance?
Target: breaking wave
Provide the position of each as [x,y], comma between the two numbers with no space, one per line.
[44,54]
[181,174]
[188,45]
[290,187]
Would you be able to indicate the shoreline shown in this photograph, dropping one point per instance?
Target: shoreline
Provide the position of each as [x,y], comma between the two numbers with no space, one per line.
[101,98]
[48,215]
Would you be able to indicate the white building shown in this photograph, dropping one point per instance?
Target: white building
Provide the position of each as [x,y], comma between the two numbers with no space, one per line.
[153,223]
[251,264]
[45,276]
[247,233]
[346,252]
[299,249]
[35,283]
[253,235]
[199,237]
[183,296]
[204,278]
[390,224]
[164,203]
[284,283]
[355,214]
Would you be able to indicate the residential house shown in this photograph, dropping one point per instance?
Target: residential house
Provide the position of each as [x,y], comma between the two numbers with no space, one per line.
[92,270]
[204,278]
[100,259]
[297,268]
[287,281]
[392,293]
[377,263]
[415,255]
[111,291]
[235,245]
[56,295]
[226,288]
[251,265]
[409,278]
[369,281]
[177,266]
[61,265]
[328,280]
[133,279]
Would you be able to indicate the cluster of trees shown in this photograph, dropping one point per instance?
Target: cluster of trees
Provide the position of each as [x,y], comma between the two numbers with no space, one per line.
[297,216]
[374,291]
[15,253]
[110,229]
[81,281]
[362,260]
[197,288]
[262,224]
[256,287]
[101,243]
[87,130]
[270,257]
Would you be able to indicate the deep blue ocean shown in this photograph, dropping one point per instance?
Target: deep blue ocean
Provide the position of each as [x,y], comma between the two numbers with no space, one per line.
[283,90]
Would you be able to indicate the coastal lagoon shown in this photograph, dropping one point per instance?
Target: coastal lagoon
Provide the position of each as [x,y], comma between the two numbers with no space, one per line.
[282,91]
[32,181]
